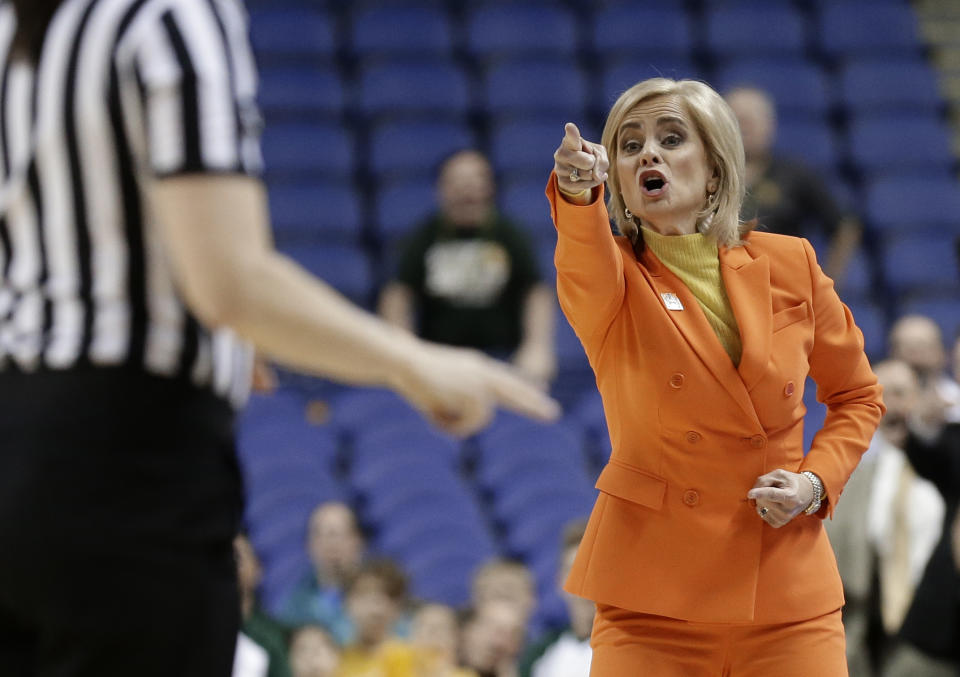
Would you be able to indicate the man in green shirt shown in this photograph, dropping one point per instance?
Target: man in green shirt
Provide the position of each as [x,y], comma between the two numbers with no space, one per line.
[468,277]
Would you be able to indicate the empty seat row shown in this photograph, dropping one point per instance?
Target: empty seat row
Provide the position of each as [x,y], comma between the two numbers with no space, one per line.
[538,84]
[546,28]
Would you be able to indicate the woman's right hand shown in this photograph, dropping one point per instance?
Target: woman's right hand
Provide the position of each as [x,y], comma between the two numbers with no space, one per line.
[587,158]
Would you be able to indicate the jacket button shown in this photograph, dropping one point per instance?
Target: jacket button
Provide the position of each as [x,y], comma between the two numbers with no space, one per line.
[676,381]
[691,497]
[789,389]
[693,436]
[758,441]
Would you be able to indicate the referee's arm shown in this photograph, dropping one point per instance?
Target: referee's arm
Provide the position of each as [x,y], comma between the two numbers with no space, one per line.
[198,85]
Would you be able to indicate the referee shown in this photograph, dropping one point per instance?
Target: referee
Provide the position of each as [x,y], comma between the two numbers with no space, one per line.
[134,252]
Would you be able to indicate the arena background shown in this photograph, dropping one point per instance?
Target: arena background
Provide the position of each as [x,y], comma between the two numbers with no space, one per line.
[362,99]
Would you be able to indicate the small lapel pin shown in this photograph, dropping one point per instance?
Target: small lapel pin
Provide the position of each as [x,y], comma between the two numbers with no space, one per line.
[671,301]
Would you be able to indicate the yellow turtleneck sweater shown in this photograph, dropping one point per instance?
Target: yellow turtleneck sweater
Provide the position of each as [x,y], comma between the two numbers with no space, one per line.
[694,259]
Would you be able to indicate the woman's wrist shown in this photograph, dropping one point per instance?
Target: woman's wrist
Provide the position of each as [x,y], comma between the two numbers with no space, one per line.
[584,197]
[818,493]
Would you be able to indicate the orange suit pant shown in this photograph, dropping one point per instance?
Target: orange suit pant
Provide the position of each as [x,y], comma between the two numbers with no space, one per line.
[630,644]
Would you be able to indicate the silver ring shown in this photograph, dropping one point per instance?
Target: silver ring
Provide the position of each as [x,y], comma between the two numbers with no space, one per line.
[763,512]
[574,174]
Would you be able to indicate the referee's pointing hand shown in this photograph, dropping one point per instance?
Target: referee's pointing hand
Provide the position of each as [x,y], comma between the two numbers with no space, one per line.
[459,390]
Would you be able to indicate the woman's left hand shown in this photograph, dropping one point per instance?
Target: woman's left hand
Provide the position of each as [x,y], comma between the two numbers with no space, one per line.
[781,495]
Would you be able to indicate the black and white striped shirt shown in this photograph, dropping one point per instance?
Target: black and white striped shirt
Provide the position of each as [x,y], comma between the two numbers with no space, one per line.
[124,91]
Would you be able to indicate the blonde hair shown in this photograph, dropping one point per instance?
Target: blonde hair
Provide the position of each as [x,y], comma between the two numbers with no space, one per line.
[718,128]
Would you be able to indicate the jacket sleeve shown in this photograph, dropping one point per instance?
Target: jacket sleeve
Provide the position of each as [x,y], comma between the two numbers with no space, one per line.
[845,383]
[590,284]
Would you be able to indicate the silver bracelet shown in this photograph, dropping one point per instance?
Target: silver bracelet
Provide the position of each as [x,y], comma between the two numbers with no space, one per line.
[817,492]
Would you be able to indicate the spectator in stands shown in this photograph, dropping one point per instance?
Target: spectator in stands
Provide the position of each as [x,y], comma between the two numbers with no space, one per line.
[493,638]
[468,276]
[932,626]
[705,552]
[918,341]
[375,599]
[500,580]
[884,531]
[313,652]
[435,636]
[335,546]
[565,652]
[258,627]
[784,195]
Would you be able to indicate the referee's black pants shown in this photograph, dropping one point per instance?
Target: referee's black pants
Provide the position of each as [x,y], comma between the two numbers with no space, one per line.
[119,499]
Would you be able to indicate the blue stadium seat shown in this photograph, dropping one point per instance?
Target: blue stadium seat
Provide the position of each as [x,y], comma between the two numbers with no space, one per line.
[281,407]
[301,90]
[408,436]
[771,28]
[400,30]
[443,575]
[873,323]
[589,413]
[544,250]
[797,86]
[327,210]
[915,263]
[551,612]
[283,533]
[811,140]
[636,26]
[857,283]
[295,443]
[401,206]
[387,505]
[515,438]
[868,27]
[526,146]
[881,84]
[324,149]
[353,410]
[416,147]
[420,87]
[912,202]
[621,73]
[389,467]
[306,33]
[281,574]
[570,354]
[553,87]
[502,473]
[412,542]
[816,414]
[535,523]
[276,501]
[542,29]
[900,144]
[524,203]
[344,267]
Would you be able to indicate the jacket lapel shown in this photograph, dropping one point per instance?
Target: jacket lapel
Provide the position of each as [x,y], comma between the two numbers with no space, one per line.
[747,280]
[693,325]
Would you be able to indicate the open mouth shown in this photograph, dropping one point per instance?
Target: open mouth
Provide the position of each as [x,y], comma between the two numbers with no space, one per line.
[653,182]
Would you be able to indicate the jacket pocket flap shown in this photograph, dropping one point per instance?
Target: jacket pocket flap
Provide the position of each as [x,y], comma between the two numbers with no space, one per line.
[632,484]
[788,316]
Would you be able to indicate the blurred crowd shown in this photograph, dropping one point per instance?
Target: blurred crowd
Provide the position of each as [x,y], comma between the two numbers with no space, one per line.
[466,276]
[351,616]
[895,533]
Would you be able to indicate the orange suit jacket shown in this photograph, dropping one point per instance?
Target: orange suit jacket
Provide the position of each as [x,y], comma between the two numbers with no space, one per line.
[672,532]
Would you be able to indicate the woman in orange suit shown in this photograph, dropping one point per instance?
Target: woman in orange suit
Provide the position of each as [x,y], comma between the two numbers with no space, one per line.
[705,551]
